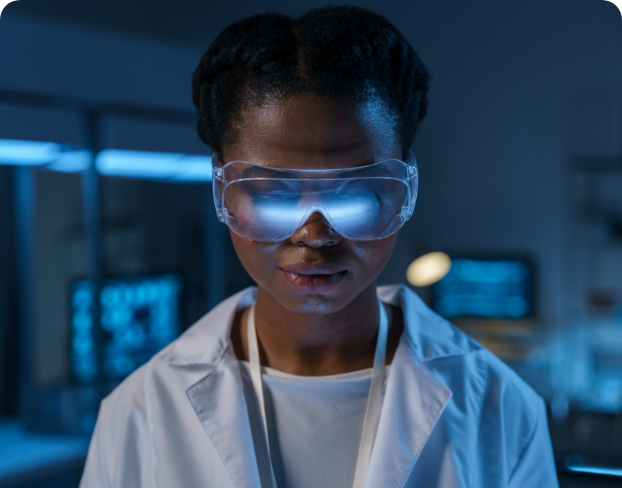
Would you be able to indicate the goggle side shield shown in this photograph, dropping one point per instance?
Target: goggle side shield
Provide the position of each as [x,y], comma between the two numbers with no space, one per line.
[267,204]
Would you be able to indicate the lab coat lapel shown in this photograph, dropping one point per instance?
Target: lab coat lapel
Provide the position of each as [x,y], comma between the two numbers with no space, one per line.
[218,398]
[414,401]
[219,403]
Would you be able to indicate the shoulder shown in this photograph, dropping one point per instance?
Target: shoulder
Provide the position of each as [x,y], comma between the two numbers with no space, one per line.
[428,334]
[512,421]
[473,374]
[507,389]
[121,436]
[124,412]
[486,393]
[133,419]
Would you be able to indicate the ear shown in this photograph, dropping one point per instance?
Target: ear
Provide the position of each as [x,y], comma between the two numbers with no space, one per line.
[217,160]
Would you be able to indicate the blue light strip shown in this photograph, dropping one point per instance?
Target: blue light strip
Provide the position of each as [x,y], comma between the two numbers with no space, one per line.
[110,162]
[596,470]
[154,165]
[576,463]
[72,161]
[28,153]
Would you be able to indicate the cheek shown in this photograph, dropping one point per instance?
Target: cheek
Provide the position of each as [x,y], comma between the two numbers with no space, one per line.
[374,255]
[258,258]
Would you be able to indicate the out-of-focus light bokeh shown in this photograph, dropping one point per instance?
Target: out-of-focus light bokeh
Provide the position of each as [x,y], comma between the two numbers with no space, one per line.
[35,153]
[152,165]
[428,269]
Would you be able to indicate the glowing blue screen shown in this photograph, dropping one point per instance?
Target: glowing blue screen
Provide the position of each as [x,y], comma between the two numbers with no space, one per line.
[485,288]
[83,350]
[139,316]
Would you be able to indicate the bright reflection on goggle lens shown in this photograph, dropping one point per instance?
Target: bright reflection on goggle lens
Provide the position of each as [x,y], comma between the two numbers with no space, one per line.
[362,211]
[270,204]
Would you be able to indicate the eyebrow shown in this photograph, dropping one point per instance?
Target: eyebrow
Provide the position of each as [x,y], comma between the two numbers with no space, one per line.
[257,171]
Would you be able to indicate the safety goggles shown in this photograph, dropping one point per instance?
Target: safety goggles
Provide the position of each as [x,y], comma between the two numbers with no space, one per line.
[269,204]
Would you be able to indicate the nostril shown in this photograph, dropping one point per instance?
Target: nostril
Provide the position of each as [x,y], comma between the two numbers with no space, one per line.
[315,243]
[315,234]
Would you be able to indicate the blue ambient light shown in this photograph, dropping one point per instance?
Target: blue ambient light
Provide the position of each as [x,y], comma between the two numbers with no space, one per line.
[576,464]
[139,316]
[154,165]
[485,288]
[596,470]
[49,154]
[28,153]
[72,161]
[109,162]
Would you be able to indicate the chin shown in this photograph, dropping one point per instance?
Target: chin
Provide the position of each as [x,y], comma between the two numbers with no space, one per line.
[310,303]
[315,304]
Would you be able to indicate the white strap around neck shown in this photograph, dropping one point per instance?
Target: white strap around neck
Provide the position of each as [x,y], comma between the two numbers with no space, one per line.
[374,401]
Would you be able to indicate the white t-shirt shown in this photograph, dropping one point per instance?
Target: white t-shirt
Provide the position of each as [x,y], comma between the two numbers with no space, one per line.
[314,424]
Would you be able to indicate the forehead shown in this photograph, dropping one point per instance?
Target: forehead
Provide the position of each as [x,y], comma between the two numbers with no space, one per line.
[305,131]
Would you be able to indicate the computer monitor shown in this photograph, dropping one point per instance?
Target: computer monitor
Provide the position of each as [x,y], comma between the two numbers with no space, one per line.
[486,287]
[138,317]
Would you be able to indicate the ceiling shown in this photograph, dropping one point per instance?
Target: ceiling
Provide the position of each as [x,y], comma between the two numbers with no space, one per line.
[180,21]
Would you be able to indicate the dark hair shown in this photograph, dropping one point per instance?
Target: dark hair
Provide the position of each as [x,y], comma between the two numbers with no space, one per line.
[341,52]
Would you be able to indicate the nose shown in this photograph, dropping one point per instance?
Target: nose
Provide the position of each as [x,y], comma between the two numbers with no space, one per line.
[316,232]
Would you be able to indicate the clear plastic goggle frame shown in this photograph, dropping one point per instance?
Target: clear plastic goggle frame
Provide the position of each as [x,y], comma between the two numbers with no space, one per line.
[268,204]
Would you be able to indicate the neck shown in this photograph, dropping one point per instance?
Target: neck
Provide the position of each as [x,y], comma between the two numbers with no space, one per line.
[316,345]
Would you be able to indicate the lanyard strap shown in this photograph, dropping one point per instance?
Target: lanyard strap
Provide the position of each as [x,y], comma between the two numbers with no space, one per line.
[253,359]
[374,400]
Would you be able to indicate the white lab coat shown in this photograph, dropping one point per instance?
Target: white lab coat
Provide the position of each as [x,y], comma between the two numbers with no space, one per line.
[453,415]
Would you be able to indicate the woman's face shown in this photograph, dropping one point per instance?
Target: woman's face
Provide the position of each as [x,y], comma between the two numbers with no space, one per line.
[315,271]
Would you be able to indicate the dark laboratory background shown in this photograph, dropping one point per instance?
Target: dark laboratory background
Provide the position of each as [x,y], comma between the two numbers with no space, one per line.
[110,247]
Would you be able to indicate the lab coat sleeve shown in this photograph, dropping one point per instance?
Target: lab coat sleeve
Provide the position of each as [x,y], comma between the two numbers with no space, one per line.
[536,464]
[120,453]
[94,474]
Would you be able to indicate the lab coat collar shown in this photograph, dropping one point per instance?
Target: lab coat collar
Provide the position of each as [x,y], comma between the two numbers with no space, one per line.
[208,340]
[414,397]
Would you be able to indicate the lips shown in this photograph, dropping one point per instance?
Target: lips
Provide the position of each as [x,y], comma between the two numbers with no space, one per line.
[313,278]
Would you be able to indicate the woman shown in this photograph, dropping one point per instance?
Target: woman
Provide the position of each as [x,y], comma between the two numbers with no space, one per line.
[309,380]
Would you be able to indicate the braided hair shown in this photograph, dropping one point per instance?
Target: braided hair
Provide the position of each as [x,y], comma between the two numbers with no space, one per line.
[341,52]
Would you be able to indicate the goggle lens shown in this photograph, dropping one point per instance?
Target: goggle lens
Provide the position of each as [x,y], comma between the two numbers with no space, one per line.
[358,208]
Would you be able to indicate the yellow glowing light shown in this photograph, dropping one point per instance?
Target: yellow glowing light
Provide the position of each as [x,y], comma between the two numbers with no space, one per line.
[428,269]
